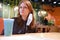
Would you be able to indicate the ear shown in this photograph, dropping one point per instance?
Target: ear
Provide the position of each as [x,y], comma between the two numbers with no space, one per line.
[30,18]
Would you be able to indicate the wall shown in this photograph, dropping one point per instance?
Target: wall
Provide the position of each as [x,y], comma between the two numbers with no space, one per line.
[54,11]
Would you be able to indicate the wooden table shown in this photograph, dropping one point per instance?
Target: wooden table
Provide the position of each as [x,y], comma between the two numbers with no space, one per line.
[33,36]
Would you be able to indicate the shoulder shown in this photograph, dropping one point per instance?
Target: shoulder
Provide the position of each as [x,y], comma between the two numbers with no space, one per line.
[14,18]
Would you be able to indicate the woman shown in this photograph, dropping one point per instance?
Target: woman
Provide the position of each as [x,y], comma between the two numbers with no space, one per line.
[25,20]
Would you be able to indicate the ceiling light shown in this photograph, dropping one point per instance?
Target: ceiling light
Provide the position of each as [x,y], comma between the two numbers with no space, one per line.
[42,0]
[59,3]
[54,2]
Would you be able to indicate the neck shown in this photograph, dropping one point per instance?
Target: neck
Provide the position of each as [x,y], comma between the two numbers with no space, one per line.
[24,18]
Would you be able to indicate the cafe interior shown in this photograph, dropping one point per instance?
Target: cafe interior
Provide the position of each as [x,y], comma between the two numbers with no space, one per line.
[45,30]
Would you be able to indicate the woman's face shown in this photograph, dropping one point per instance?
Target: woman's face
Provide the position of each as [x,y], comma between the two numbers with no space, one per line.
[24,11]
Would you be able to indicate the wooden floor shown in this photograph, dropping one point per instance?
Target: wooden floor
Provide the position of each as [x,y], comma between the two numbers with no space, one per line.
[33,36]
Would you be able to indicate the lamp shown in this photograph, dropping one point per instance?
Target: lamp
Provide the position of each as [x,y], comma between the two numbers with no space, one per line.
[42,13]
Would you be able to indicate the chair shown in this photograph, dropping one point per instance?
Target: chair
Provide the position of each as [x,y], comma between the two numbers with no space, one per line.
[1,25]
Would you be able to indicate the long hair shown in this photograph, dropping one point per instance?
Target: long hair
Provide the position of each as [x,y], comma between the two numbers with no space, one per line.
[29,5]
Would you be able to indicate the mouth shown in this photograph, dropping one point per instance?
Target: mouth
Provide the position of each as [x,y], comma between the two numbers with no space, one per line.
[22,12]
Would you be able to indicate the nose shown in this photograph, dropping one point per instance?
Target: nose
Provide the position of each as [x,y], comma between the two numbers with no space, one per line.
[22,9]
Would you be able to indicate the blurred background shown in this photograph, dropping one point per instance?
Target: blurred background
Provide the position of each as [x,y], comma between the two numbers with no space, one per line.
[43,8]
[49,9]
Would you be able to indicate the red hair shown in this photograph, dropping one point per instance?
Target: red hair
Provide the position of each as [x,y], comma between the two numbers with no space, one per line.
[29,5]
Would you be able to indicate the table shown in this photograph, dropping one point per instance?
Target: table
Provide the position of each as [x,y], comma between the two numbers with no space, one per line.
[33,36]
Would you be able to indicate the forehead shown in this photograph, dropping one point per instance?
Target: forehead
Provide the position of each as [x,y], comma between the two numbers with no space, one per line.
[23,4]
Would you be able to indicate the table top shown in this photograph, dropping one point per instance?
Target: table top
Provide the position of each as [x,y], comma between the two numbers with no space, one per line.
[32,36]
